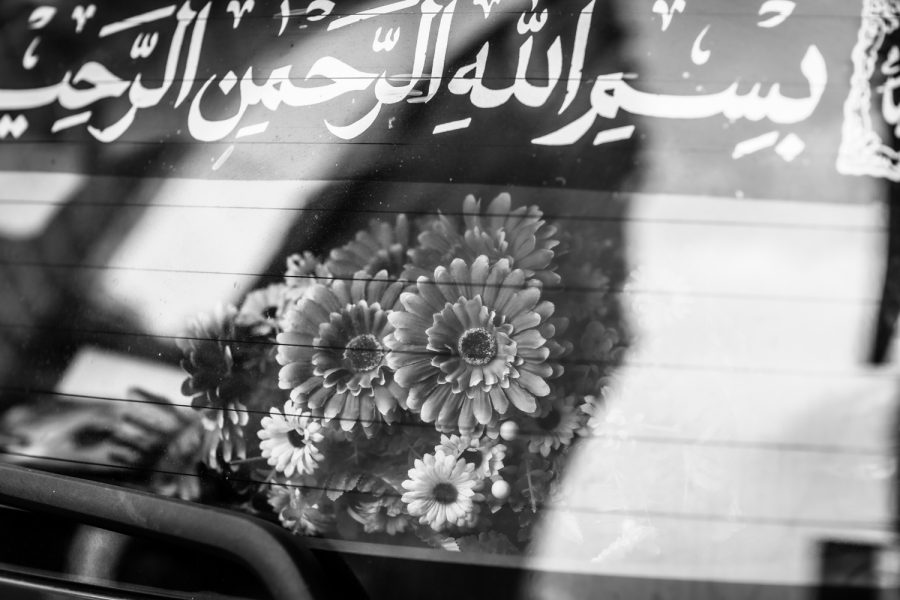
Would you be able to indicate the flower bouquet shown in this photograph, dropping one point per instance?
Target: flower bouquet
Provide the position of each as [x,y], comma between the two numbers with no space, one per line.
[425,380]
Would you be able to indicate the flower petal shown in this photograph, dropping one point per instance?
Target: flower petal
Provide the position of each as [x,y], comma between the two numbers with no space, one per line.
[521,399]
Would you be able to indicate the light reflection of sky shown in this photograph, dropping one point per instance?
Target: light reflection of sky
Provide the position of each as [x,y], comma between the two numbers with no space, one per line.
[206,250]
[120,374]
[29,203]
[744,428]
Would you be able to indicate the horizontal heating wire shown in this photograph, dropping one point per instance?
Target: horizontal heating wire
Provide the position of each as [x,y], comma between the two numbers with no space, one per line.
[553,288]
[569,288]
[584,510]
[649,439]
[829,373]
[546,216]
[279,275]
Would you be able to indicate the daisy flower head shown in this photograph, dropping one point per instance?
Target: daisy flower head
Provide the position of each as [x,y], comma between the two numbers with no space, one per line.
[521,236]
[600,408]
[216,382]
[290,441]
[484,453]
[332,354]
[384,514]
[593,411]
[301,272]
[441,491]
[304,269]
[557,425]
[382,246]
[263,308]
[471,344]
[297,513]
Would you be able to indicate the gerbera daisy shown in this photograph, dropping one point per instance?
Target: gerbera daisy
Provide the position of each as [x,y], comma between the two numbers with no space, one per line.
[296,513]
[262,309]
[304,270]
[386,514]
[593,411]
[381,247]
[290,441]
[486,454]
[519,235]
[216,383]
[441,491]
[332,353]
[557,426]
[471,343]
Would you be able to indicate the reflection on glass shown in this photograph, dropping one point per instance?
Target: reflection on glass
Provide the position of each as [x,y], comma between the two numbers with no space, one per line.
[562,293]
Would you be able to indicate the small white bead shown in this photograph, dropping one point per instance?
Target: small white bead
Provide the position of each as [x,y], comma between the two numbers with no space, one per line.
[509,430]
[500,490]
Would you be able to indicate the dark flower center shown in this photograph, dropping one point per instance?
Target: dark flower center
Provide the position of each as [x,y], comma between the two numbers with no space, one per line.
[270,312]
[550,421]
[295,438]
[445,493]
[364,353]
[477,346]
[473,456]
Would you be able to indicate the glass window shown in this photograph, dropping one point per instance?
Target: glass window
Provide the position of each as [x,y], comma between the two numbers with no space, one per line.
[515,296]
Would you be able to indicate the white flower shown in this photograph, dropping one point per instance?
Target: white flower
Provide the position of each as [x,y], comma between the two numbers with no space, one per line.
[441,491]
[473,344]
[381,514]
[296,513]
[486,454]
[289,441]
[263,308]
[557,427]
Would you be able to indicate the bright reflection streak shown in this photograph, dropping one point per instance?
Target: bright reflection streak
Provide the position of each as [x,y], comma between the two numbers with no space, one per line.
[744,428]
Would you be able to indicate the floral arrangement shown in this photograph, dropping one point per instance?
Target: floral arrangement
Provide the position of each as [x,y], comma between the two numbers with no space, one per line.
[428,378]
